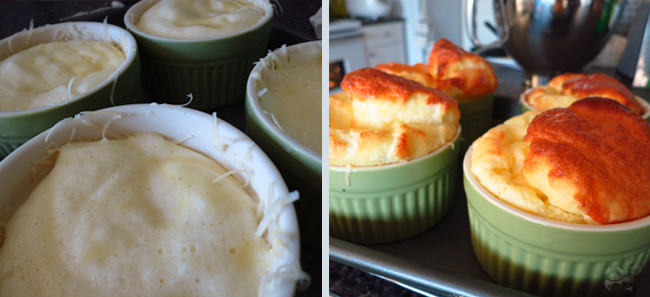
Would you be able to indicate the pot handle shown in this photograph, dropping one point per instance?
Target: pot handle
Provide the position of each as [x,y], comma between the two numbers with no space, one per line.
[470,19]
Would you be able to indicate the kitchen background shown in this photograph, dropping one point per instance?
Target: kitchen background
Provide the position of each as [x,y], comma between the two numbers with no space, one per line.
[367,33]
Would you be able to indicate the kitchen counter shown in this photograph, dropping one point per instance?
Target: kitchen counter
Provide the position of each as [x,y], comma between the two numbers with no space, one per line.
[347,281]
[290,26]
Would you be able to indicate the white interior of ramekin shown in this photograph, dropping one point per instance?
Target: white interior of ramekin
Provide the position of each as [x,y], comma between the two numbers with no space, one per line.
[451,143]
[64,32]
[252,89]
[134,13]
[644,104]
[544,221]
[175,123]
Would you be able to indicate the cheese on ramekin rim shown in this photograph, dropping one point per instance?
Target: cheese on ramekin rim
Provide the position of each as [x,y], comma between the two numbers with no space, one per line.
[201,18]
[133,216]
[290,93]
[52,73]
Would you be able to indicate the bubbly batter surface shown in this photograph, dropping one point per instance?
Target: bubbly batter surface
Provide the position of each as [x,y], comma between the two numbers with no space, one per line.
[200,18]
[293,94]
[133,217]
[52,73]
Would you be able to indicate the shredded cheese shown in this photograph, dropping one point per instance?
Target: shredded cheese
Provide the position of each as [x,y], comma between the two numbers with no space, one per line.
[276,122]
[271,195]
[262,92]
[249,153]
[70,88]
[347,175]
[47,137]
[113,87]
[31,32]
[72,134]
[272,211]
[188,102]
[227,174]
[184,139]
[270,283]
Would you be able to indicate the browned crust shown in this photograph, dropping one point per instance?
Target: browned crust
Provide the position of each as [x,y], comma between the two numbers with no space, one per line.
[464,76]
[580,85]
[372,84]
[601,149]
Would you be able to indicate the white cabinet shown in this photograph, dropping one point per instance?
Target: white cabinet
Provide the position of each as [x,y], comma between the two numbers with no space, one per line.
[384,42]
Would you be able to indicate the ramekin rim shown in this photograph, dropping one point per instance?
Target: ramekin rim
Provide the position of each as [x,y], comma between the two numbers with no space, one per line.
[253,99]
[130,25]
[632,225]
[129,58]
[450,144]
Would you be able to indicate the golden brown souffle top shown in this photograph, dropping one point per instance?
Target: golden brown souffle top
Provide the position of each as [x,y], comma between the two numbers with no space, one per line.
[588,163]
[567,88]
[600,151]
[462,75]
[382,118]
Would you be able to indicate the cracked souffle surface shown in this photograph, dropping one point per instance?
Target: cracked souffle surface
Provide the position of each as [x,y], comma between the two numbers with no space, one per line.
[588,163]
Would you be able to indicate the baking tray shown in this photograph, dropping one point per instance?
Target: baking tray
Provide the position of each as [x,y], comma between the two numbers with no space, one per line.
[440,261]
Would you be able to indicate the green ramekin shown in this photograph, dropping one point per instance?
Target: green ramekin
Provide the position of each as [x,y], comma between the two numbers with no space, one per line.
[213,69]
[524,106]
[392,202]
[551,258]
[300,166]
[16,127]
[476,119]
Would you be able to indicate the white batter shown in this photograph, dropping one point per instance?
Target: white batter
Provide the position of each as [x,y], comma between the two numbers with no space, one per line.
[134,217]
[201,18]
[290,88]
[52,73]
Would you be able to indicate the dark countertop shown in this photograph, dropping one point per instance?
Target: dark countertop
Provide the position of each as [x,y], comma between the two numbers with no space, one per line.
[290,26]
[347,281]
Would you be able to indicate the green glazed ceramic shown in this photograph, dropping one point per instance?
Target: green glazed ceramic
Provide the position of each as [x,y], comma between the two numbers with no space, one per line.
[524,106]
[476,119]
[300,166]
[213,69]
[551,258]
[387,203]
[17,127]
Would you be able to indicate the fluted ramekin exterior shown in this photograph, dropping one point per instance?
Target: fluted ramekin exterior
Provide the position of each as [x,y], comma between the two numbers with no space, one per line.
[548,258]
[387,203]
[475,118]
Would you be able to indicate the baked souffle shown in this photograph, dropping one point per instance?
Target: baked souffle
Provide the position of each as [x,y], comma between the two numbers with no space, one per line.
[462,75]
[382,118]
[588,163]
[567,88]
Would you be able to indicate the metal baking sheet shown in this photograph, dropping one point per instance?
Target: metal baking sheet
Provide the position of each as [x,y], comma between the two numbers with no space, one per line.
[440,261]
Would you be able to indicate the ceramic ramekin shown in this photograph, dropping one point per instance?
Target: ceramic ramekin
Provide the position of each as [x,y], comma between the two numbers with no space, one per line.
[300,166]
[551,258]
[16,182]
[475,118]
[387,203]
[524,106]
[16,127]
[213,69]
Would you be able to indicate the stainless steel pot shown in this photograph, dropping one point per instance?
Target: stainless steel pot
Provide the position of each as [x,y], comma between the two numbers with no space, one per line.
[549,37]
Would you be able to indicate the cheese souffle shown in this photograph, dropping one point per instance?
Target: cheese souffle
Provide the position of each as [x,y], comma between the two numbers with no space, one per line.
[382,118]
[53,73]
[567,88]
[585,164]
[202,18]
[392,141]
[149,218]
[462,75]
